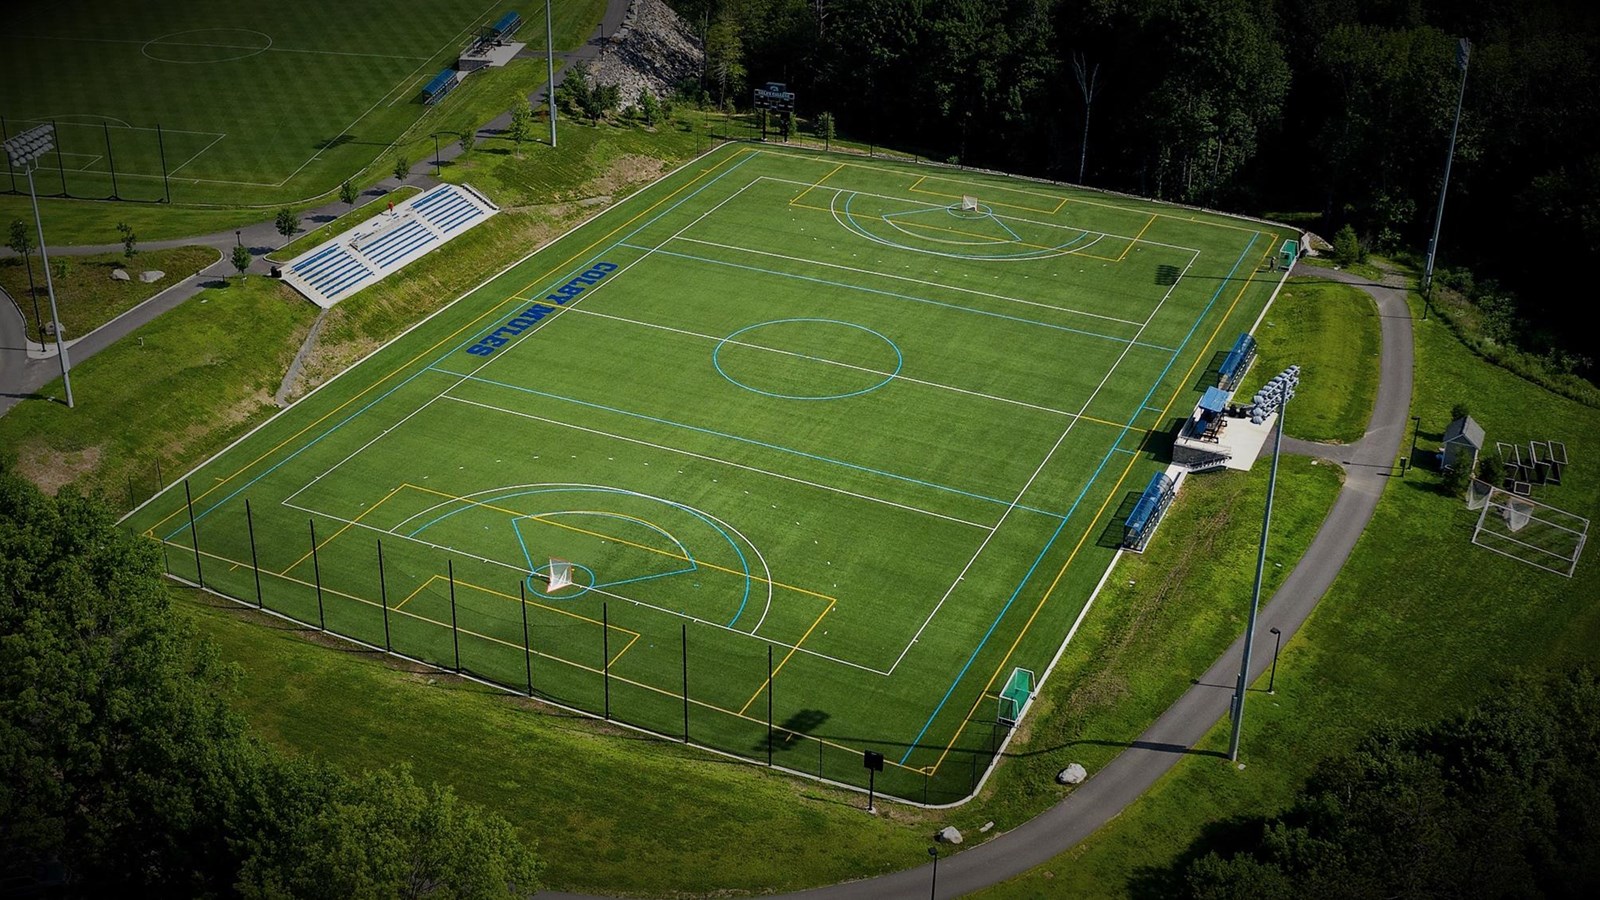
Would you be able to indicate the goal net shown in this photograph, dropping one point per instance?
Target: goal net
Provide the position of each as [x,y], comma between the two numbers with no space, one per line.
[1524,529]
[560,574]
[969,204]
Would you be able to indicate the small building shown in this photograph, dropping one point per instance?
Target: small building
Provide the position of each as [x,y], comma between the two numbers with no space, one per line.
[1463,439]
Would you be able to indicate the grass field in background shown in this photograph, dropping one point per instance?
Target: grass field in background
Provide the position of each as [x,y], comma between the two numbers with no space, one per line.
[251,109]
[778,404]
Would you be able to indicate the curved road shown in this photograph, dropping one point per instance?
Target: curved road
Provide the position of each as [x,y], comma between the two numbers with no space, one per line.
[1367,464]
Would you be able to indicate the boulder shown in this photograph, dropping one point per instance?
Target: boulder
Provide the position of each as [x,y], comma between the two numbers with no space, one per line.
[1073,774]
[120,275]
[948,835]
[152,275]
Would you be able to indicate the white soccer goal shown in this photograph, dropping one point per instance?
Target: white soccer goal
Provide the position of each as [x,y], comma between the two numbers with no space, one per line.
[1524,529]
[1478,493]
[560,574]
[969,204]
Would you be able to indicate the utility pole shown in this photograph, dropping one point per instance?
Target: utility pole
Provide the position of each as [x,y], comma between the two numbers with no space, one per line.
[1463,53]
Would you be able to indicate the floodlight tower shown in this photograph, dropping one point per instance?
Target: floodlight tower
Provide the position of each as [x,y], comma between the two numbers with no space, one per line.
[24,151]
[550,71]
[1270,399]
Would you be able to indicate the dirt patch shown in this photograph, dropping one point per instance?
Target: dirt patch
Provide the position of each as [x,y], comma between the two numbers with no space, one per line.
[226,418]
[52,469]
[624,172]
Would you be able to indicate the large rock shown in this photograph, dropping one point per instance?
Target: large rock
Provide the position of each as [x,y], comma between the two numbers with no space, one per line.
[948,835]
[1073,774]
[152,275]
[120,275]
[653,50]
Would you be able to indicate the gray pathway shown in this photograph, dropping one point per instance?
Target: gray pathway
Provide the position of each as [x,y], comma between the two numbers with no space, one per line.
[1107,793]
[25,371]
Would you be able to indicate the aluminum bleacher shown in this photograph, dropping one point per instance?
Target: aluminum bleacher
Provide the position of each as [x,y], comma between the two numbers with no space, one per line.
[386,243]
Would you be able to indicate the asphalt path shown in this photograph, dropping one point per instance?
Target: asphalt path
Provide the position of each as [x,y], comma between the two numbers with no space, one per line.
[27,367]
[1368,464]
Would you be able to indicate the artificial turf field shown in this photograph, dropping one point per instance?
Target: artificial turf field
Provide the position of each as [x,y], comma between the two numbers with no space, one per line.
[254,103]
[778,405]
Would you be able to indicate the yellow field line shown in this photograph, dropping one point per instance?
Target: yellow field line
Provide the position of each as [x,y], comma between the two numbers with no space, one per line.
[420,588]
[1090,529]
[792,651]
[487,314]
[577,665]
[667,553]
[816,184]
[1136,238]
[546,606]
[347,526]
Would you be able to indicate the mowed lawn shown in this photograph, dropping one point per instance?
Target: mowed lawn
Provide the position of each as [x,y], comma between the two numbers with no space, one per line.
[214,103]
[830,455]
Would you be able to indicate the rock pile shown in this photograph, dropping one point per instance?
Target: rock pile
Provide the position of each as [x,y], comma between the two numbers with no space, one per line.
[653,50]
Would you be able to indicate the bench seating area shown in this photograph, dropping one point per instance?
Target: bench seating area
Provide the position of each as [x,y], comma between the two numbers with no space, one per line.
[387,242]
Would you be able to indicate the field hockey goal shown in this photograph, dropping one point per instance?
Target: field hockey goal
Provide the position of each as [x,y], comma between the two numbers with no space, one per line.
[1014,697]
[559,575]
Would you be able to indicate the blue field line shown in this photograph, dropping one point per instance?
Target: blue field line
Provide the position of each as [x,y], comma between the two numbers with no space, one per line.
[309,444]
[472,340]
[899,296]
[745,440]
[621,242]
[1120,450]
[1014,236]
[692,567]
[744,562]
[1081,494]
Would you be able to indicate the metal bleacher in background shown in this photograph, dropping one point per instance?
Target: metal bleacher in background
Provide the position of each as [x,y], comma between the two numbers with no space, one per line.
[1237,362]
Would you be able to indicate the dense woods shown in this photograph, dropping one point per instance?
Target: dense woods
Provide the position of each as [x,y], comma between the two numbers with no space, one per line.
[1341,109]
[123,771]
[1500,801]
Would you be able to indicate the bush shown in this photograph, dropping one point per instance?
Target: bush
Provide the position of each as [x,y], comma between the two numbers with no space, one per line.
[1347,248]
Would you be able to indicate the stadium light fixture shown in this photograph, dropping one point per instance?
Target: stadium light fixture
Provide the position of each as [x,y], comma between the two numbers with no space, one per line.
[24,152]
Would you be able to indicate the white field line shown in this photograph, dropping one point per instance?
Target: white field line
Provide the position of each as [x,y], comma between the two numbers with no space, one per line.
[198,154]
[1103,381]
[473,374]
[996,215]
[375,438]
[832,362]
[521,571]
[643,443]
[919,281]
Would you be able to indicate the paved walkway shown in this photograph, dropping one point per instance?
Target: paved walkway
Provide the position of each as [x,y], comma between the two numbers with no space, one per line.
[1367,464]
[26,367]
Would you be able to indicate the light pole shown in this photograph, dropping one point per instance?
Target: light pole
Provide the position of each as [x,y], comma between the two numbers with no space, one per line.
[1277,642]
[24,151]
[1273,398]
[933,887]
[1463,52]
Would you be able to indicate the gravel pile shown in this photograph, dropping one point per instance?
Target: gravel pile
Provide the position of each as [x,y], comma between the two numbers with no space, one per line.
[653,50]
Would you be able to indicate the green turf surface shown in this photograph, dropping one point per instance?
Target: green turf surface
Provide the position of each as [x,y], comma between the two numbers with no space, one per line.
[262,106]
[786,406]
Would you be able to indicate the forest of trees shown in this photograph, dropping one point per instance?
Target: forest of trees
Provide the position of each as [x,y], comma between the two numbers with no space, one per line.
[123,772]
[1337,108]
[1500,801]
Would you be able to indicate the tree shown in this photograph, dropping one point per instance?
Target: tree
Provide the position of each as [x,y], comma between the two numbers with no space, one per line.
[469,141]
[348,193]
[649,107]
[521,125]
[130,247]
[572,95]
[287,223]
[21,242]
[725,57]
[824,127]
[1347,248]
[241,257]
[1088,85]
[402,167]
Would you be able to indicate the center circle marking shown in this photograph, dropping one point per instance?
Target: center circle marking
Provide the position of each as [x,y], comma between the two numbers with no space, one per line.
[899,360]
[176,48]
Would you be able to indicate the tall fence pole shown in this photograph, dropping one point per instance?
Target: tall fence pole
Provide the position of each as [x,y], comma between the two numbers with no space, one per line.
[455,633]
[194,534]
[769,704]
[110,159]
[316,569]
[605,657]
[383,597]
[5,134]
[61,168]
[161,481]
[250,522]
[527,646]
[161,145]
[685,645]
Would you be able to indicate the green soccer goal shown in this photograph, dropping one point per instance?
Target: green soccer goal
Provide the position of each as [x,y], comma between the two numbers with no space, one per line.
[1015,696]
